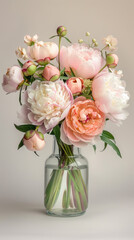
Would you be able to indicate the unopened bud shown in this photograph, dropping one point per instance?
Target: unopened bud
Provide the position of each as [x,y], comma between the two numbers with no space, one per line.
[94,40]
[29,68]
[61,31]
[80,41]
[112,60]
[87,34]
[43,62]
[34,140]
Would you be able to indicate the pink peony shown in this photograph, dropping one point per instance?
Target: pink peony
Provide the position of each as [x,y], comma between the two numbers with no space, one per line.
[46,103]
[112,60]
[33,140]
[83,123]
[75,85]
[110,95]
[84,61]
[51,73]
[41,50]
[12,79]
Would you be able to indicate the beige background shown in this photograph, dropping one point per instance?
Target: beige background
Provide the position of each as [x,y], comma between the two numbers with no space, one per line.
[111,186]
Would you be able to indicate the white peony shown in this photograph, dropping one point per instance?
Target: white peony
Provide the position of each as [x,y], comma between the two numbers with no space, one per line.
[110,95]
[47,103]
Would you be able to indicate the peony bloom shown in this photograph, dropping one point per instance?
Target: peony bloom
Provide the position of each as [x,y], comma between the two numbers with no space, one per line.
[30,40]
[47,103]
[110,42]
[12,79]
[41,50]
[110,95]
[75,85]
[51,73]
[84,61]
[83,123]
[33,140]
[21,53]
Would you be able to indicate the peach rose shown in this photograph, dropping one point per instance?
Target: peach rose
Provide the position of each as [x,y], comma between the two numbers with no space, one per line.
[83,123]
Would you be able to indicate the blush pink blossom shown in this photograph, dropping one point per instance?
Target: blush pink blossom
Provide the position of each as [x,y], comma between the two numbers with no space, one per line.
[75,85]
[110,95]
[33,140]
[85,62]
[112,60]
[12,79]
[51,73]
[83,123]
[41,50]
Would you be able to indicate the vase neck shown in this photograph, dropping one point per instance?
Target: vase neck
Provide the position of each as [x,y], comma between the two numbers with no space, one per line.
[75,150]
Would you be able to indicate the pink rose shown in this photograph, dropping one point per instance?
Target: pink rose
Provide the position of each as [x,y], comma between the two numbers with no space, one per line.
[51,73]
[12,79]
[75,85]
[33,140]
[84,61]
[41,50]
[83,123]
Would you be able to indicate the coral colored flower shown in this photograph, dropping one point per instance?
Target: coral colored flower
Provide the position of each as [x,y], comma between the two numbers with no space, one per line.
[41,50]
[12,79]
[21,53]
[33,140]
[51,73]
[84,61]
[75,85]
[30,40]
[110,95]
[47,103]
[83,123]
[111,43]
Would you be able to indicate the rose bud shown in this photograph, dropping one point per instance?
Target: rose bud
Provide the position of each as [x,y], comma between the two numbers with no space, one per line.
[112,60]
[12,79]
[51,73]
[75,85]
[61,31]
[33,140]
[29,68]
[43,62]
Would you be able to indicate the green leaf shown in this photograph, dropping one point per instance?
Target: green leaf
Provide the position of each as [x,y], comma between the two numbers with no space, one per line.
[53,36]
[67,39]
[20,95]
[108,135]
[64,77]
[56,131]
[25,128]
[112,144]
[20,144]
[36,153]
[40,68]
[94,147]
[20,63]
[105,146]
[73,75]
[62,71]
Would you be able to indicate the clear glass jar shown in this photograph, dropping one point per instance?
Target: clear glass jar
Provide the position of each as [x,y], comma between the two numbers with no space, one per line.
[66,185]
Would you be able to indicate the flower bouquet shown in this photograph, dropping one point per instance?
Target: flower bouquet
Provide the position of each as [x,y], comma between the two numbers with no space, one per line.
[71,98]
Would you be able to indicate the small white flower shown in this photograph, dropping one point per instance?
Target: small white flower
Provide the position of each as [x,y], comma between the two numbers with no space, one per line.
[29,40]
[21,53]
[111,42]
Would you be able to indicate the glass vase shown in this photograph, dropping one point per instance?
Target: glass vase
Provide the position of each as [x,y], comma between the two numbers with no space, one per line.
[66,182]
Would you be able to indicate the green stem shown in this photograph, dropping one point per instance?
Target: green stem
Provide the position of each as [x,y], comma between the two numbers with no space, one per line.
[102,68]
[59,51]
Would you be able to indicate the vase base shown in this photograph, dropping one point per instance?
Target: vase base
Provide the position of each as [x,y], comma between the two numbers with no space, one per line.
[64,213]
